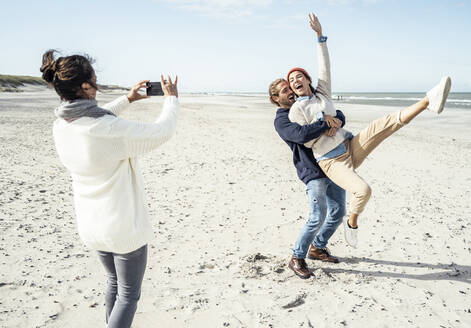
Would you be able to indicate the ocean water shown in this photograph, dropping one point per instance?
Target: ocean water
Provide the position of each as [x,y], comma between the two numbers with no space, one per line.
[455,99]
[400,99]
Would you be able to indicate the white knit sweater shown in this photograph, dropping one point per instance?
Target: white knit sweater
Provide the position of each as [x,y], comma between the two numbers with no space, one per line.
[304,111]
[101,155]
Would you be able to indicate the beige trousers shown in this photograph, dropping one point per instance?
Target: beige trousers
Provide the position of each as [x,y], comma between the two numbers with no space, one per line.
[341,169]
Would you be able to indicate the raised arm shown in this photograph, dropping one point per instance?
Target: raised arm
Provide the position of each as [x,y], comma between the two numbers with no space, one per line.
[118,105]
[149,136]
[140,138]
[324,82]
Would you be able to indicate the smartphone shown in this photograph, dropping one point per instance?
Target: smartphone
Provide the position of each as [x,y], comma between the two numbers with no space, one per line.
[154,89]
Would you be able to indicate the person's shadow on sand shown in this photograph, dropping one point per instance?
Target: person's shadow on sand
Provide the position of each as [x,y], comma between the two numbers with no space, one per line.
[450,271]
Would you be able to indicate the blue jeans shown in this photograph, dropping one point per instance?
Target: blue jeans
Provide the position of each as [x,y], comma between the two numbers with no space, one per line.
[326,210]
[123,289]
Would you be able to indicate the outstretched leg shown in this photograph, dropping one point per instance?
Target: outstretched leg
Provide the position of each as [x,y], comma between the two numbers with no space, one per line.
[408,113]
[434,100]
[369,138]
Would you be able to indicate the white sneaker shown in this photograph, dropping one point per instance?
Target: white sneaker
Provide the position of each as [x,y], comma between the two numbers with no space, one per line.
[438,94]
[351,235]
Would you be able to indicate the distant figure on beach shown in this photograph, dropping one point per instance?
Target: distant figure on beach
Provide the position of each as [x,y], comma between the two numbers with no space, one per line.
[337,151]
[326,199]
[100,150]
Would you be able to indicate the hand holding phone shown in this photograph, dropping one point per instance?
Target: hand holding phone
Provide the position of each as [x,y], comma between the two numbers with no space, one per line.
[134,93]
[169,88]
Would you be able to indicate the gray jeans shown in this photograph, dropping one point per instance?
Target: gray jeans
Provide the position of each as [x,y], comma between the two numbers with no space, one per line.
[123,289]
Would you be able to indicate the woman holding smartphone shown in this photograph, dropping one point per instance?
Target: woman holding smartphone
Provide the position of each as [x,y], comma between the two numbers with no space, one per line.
[100,150]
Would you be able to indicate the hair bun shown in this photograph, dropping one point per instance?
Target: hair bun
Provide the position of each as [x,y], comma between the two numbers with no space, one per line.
[48,67]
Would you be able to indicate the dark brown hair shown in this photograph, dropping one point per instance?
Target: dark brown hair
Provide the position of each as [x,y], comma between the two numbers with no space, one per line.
[67,74]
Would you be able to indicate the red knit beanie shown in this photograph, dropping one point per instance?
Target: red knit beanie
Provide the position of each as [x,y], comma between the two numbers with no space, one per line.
[302,70]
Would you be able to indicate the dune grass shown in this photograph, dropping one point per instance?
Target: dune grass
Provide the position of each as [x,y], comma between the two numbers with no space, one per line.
[14,81]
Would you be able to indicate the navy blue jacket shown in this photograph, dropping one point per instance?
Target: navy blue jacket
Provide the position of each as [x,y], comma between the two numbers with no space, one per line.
[295,136]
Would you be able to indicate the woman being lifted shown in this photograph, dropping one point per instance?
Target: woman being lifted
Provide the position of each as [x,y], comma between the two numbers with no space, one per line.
[337,151]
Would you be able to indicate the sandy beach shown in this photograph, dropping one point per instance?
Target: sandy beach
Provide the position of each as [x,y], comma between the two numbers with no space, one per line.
[226,208]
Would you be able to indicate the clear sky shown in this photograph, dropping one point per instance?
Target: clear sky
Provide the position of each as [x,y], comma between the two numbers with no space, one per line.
[242,45]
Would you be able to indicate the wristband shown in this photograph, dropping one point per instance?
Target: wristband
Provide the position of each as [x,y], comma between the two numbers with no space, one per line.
[322,39]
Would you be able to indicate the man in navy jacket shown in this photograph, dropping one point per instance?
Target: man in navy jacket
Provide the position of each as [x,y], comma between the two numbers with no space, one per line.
[326,199]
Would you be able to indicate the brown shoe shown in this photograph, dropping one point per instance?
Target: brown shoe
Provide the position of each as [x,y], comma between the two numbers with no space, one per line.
[299,267]
[322,254]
